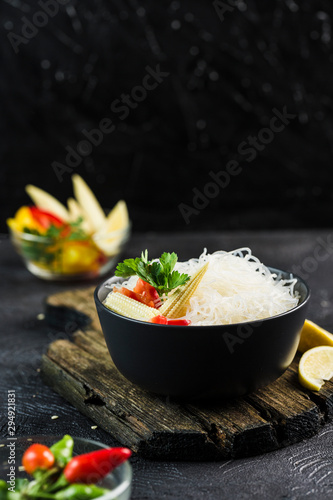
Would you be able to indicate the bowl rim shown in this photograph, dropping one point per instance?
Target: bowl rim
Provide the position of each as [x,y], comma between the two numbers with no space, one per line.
[111,494]
[212,327]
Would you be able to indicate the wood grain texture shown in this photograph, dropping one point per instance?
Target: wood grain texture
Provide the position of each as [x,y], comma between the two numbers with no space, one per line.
[83,373]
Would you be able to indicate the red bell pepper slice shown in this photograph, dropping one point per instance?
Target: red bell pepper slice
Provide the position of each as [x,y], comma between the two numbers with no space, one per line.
[159,320]
[179,322]
[162,320]
[133,295]
[148,293]
[143,292]
[45,219]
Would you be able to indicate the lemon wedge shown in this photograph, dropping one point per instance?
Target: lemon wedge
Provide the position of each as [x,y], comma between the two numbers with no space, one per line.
[46,201]
[88,202]
[76,212]
[316,366]
[117,219]
[313,335]
[110,236]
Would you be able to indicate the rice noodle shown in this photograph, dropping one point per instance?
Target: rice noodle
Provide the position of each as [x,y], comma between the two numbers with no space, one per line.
[236,287]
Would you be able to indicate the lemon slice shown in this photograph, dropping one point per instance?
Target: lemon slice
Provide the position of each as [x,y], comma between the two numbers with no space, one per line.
[313,335]
[316,366]
[117,219]
[88,202]
[46,201]
[111,235]
[76,212]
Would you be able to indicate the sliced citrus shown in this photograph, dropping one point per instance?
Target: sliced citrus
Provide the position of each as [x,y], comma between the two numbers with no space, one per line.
[313,335]
[111,235]
[46,201]
[116,220]
[76,212]
[316,366]
[88,202]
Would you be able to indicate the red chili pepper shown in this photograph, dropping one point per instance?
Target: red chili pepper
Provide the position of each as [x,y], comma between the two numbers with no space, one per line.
[45,219]
[37,456]
[180,322]
[91,467]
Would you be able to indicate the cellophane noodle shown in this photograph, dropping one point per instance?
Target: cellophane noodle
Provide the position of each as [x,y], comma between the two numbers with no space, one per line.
[236,288]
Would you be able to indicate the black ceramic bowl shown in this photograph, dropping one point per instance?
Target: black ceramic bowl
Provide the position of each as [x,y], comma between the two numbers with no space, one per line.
[203,361]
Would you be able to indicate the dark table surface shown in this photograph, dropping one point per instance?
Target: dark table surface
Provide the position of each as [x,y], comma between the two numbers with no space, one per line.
[303,470]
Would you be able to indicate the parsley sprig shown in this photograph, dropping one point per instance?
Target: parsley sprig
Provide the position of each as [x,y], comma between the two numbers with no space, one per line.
[159,274]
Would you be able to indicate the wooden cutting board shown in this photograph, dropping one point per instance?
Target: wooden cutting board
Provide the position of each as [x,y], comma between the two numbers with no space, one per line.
[81,370]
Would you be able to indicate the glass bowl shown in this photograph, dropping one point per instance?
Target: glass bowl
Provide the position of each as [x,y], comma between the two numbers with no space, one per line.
[119,481]
[64,259]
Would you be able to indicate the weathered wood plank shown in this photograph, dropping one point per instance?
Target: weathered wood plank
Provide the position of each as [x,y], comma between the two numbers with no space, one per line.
[83,373]
[72,305]
[91,341]
[323,398]
[293,414]
[148,424]
[239,426]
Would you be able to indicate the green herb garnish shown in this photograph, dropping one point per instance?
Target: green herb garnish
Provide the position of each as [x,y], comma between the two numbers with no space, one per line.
[76,233]
[43,251]
[159,274]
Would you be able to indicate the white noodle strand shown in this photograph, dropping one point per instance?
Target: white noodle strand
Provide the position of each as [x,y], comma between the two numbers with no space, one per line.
[236,288]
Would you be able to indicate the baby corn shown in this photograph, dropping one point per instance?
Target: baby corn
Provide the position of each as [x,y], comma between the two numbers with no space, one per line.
[175,306]
[130,308]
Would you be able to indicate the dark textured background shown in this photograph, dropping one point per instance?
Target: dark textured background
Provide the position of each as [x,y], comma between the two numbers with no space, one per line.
[225,78]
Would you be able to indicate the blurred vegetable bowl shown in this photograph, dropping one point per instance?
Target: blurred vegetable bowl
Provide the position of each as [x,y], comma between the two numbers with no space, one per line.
[63,471]
[78,242]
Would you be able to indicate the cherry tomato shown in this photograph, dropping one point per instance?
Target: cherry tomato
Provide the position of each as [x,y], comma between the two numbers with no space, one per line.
[37,456]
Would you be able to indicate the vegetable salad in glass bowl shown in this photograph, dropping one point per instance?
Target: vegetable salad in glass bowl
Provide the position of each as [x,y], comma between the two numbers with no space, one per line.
[49,467]
[74,242]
